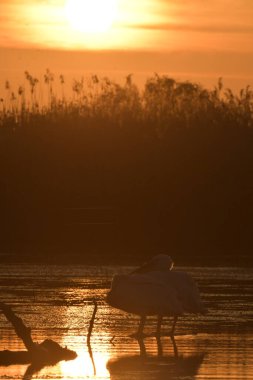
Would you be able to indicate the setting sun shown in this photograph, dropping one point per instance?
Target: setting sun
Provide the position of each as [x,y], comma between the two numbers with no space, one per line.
[91,16]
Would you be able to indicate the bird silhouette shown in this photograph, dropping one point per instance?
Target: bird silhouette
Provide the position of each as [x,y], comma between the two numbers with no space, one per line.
[156,289]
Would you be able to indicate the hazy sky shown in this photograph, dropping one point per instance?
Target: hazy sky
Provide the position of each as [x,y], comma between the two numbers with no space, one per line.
[198,39]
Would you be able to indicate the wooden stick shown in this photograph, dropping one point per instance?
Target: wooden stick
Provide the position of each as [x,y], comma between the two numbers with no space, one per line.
[89,335]
[92,321]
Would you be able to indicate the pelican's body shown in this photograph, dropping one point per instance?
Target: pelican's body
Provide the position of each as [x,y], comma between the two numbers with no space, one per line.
[156,289]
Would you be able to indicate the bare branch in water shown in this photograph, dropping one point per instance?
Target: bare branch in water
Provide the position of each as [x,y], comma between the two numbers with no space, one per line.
[92,321]
[89,335]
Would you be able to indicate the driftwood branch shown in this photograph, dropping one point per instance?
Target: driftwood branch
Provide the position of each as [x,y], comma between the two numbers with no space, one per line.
[22,331]
[45,353]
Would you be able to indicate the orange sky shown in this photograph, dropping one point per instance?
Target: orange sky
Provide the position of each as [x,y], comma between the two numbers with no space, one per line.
[197,39]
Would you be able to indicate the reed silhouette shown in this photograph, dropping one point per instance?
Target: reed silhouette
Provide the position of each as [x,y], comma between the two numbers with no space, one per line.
[112,168]
[164,103]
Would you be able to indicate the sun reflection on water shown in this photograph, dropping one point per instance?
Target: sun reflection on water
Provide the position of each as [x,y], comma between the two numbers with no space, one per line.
[87,364]
[82,366]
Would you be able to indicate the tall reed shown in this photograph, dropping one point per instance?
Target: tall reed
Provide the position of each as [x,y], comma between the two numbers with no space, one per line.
[164,103]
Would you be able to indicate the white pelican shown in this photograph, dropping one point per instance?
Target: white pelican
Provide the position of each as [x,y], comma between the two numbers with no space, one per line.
[156,289]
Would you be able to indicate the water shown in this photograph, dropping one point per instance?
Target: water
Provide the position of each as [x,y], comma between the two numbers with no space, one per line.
[57,303]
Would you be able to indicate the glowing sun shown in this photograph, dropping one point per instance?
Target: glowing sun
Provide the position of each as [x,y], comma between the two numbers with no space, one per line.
[91,16]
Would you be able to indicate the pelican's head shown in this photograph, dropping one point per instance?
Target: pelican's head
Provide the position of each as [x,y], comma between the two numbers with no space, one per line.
[161,262]
[157,263]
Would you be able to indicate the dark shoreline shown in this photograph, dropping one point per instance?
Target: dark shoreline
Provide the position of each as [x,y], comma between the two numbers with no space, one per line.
[126,260]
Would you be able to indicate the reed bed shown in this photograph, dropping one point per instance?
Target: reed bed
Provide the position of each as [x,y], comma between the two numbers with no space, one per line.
[111,168]
[164,103]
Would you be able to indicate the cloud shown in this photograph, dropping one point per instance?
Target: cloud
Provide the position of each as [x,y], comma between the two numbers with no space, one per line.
[192,28]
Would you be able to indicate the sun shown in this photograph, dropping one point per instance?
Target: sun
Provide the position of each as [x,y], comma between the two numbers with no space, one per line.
[91,16]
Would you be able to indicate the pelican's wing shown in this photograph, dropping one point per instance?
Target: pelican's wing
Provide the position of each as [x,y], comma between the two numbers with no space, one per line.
[143,294]
[187,291]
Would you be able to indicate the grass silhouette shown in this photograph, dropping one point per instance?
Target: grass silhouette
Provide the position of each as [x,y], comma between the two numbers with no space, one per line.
[164,103]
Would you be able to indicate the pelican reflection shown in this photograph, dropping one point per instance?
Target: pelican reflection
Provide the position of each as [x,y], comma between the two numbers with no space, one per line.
[160,367]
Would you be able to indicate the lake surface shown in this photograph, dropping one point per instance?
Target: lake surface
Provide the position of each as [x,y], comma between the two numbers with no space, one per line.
[57,303]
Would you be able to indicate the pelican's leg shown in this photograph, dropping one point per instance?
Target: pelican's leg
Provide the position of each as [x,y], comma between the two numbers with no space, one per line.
[159,346]
[159,324]
[173,326]
[141,326]
[174,346]
[142,347]
[139,333]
